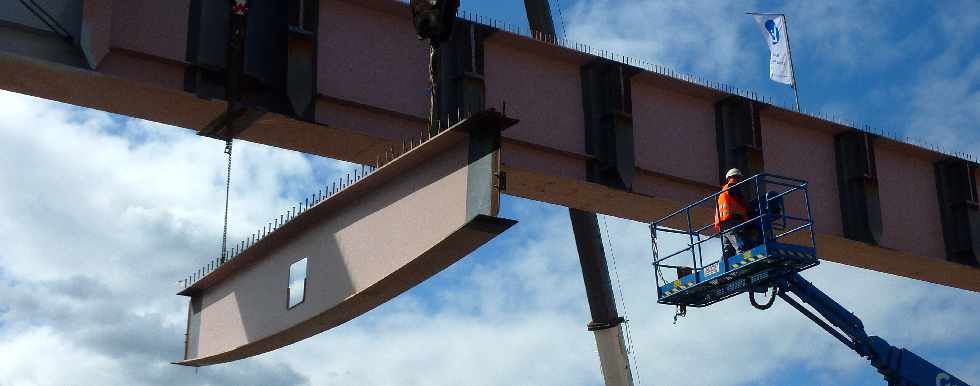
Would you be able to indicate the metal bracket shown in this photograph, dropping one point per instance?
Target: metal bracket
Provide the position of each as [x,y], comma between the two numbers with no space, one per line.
[857,182]
[230,124]
[596,326]
[501,181]
[244,53]
[608,106]
[960,214]
[462,86]
[739,136]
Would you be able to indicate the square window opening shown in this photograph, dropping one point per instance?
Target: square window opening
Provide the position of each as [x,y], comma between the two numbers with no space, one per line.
[296,289]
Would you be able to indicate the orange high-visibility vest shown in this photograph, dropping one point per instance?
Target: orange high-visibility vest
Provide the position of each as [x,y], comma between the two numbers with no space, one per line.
[728,207]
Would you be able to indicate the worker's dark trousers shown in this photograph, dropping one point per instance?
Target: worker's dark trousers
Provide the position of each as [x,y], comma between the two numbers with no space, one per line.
[732,241]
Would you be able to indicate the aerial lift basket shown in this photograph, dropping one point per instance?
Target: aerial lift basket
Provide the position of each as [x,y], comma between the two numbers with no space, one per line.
[779,242]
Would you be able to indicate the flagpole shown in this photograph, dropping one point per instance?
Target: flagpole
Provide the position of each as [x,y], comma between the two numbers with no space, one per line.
[789,48]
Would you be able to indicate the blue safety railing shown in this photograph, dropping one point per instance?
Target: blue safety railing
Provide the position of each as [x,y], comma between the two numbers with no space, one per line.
[774,215]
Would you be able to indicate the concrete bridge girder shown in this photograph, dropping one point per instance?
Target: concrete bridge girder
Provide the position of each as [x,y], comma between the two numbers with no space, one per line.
[371,92]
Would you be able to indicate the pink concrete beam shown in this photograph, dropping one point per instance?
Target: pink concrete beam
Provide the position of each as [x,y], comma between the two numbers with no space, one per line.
[372,86]
[543,90]
[910,210]
[368,243]
[372,57]
[152,28]
[786,147]
[674,132]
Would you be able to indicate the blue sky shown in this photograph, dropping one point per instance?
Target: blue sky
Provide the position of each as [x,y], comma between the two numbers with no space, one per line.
[102,214]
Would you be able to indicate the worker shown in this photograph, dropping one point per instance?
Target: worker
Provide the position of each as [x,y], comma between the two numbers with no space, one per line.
[730,212]
[434,19]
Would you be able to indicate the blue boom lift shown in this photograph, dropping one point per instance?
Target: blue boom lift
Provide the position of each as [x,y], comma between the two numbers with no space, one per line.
[780,226]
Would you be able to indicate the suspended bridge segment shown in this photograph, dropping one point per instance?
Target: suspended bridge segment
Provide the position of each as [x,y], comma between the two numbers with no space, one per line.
[358,246]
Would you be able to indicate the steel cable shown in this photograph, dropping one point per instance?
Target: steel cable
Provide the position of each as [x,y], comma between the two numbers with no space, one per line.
[619,286]
[47,19]
[561,18]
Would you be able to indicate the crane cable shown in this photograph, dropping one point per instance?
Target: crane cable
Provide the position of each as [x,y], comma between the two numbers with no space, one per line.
[48,20]
[224,235]
[561,18]
[631,348]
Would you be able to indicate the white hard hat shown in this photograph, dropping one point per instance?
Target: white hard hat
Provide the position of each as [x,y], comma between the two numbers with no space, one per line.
[732,173]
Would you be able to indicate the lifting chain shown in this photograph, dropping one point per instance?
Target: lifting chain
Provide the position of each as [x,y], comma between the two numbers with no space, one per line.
[224,235]
[435,56]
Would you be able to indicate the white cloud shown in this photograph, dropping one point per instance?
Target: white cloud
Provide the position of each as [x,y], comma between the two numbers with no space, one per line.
[945,100]
[686,36]
[99,221]
[25,360]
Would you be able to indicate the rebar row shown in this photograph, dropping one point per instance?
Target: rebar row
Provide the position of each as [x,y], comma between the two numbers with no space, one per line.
[388,154]
[786,104]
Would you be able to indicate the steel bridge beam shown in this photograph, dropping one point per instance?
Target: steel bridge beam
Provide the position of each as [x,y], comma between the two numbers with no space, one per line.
[137,58]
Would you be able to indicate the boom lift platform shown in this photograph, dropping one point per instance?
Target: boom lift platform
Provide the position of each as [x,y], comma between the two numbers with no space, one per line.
[781,252]
[784,246]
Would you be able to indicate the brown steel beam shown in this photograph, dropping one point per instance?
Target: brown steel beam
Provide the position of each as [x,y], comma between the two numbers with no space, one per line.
[371,98]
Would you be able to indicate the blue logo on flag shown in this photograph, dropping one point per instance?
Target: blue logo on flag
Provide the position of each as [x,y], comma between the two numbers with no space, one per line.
[773,30]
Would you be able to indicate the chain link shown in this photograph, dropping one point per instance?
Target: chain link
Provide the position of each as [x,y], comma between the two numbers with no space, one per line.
[224,235]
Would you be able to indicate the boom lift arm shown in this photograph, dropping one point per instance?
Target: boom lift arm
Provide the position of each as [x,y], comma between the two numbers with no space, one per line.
[900,367]
[774,263]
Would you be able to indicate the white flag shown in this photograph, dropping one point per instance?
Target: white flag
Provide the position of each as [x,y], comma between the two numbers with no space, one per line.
[773,27]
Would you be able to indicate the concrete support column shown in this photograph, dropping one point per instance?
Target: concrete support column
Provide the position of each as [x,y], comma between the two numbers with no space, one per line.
[612,352]
[606,323]
[609,138]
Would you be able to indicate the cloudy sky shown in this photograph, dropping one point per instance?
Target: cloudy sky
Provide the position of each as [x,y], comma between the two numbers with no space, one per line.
[101,214]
